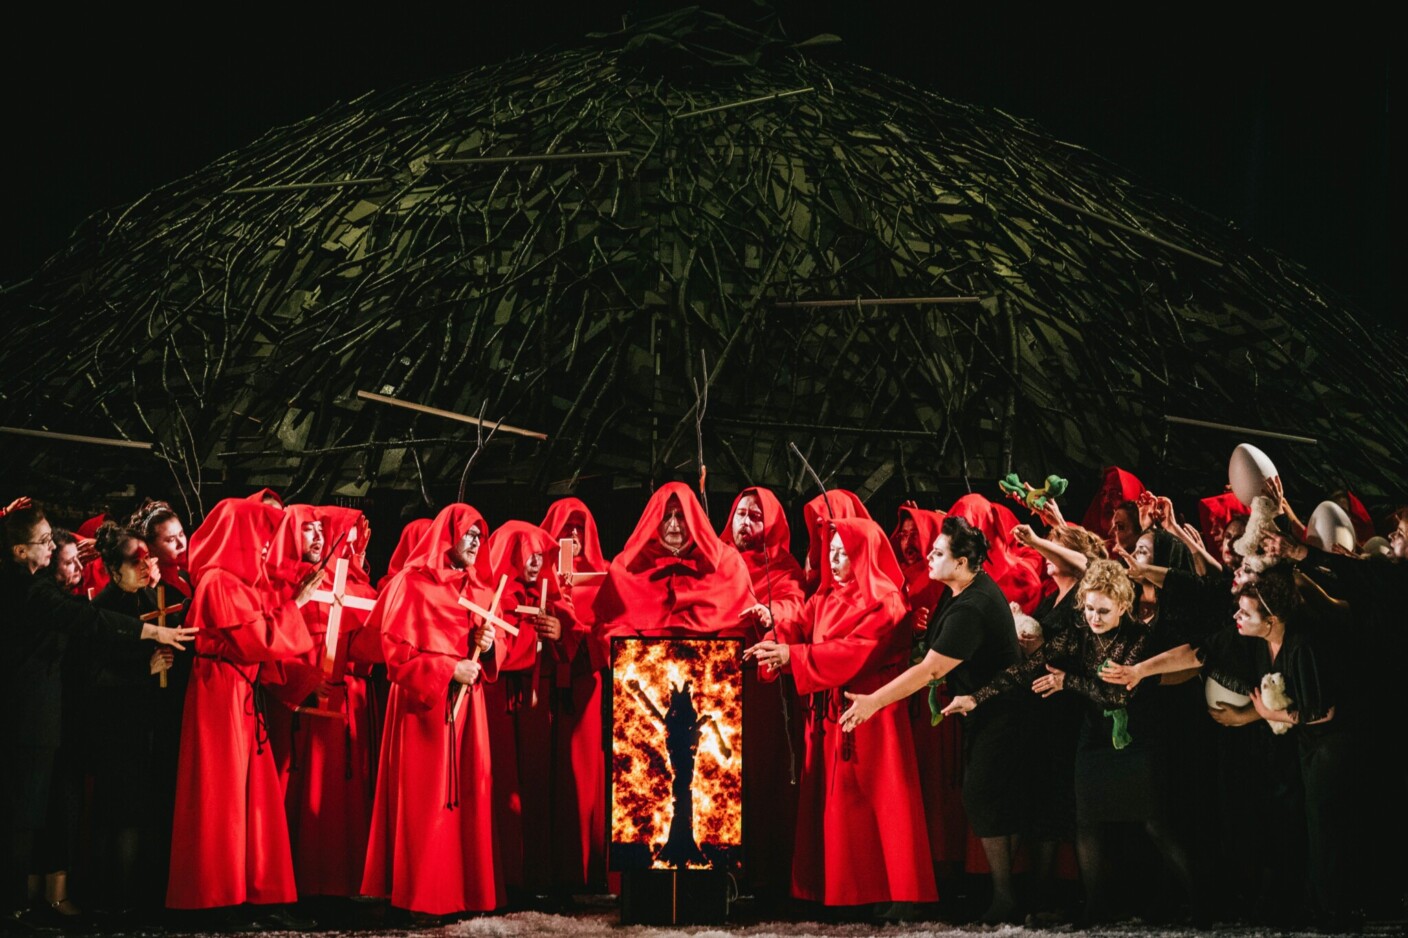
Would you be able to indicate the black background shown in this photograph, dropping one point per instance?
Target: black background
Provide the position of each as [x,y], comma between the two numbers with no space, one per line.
[1278,122]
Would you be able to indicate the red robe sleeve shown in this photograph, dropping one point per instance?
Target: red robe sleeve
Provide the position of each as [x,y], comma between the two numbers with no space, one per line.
[426,676]
[236,624]
[864,645]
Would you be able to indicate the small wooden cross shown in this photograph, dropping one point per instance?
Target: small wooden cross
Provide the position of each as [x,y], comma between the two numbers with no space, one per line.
[161,612]
[564,564]
[335,599]
[488,615]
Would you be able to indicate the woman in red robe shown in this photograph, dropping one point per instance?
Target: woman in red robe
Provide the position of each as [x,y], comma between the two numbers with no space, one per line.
[431,848]
[330,795]
[579,778]
[817,515]
[230,844]
[517,704]
[675,578]
[772,714]
[860,823]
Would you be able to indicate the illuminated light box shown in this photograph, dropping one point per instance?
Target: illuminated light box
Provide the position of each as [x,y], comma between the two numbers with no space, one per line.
[676,754]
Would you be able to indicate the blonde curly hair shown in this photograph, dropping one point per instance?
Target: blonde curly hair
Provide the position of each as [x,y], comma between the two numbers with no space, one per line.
[1110,578]
[1076,538]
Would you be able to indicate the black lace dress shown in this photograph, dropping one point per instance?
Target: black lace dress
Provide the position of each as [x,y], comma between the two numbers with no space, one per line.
[1120,753]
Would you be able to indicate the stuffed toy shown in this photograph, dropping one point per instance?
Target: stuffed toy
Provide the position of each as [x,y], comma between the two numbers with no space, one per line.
[1035,499]
[1028,629]
[1273,694]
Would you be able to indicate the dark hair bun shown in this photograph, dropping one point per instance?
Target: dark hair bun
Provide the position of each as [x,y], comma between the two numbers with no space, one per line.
[965,541]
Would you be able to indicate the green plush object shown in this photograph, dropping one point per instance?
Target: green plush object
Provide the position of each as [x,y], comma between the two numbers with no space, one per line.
[936,710]
[1035,499]
[1120,737]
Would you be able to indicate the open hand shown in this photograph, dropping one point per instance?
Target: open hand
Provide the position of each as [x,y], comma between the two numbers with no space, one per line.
[771,655]
[167,635]
[1127,674]
[1053,682]
[760,612]
[22,502]
[861,709]
[960,705]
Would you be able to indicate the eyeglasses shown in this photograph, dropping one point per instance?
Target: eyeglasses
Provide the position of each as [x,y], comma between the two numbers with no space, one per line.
[45,541]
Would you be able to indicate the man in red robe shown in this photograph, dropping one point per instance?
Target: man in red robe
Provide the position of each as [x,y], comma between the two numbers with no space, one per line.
[772,714]
[579,777]
[330,794]
[230,844]
[518,704]
[431,848]
[861,837]
[675,578]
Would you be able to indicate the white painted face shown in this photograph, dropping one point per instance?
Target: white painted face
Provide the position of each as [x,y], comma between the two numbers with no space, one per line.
[942,565]
[1251,619]
[533,568]
[840,560]
[1102,613]
[674,533]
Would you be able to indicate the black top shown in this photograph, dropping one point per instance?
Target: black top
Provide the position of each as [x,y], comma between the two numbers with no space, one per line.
[1080,653]
[1057,616]
[975,627]
[42,620]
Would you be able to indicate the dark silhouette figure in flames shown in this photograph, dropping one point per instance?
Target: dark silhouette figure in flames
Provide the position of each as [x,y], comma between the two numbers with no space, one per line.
[683,727]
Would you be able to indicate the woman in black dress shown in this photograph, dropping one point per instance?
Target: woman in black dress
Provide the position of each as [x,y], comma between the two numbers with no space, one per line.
[973,638]
[1120,761]
[119,691]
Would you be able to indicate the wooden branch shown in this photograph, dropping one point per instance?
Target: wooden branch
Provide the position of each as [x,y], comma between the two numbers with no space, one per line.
[758,100]
[77,438]
[530,158]
[1249,431]
[1129,229]
[299,186]
[449,414]
[875,301]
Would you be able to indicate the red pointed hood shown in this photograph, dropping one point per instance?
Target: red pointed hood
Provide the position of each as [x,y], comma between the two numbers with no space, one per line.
[448,527]
[560,516]
[874,570]
[844,504]
[410,539]
[285,564]
[258,497]
[1015,569]
[1215,513]
[1119,486]
[233,539]
[338,522]
[777,533]
[512,545]
[644,544]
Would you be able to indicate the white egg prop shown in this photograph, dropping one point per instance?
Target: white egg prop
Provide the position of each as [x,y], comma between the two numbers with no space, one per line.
[1219,696]
[1247,471]
[1329,526]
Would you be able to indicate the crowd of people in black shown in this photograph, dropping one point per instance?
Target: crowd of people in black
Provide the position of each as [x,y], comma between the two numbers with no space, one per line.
[1213,709]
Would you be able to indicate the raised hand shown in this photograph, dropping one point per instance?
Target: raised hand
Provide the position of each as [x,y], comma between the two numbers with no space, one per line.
[1023,534]
[22,502]
[960,705]
[1127,674]
[760,612]
[167,635]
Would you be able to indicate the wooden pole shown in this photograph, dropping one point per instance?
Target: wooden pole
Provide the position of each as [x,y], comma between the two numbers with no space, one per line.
[758,100]
[1249,431]
[449,414]
[77,438]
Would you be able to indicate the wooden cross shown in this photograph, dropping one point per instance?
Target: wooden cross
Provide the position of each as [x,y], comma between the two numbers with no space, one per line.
[564,564]
[488,615]
[541,608]
[160,614]
[335,599]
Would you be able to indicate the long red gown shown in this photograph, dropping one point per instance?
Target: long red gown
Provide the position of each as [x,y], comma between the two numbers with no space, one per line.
[861,836]
[431,847]
[330,792]
[230,843]
[651,592]
[772,709]
[518,709]
[579,765]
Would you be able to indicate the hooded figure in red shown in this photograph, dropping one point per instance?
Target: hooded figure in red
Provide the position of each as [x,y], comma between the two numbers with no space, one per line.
[518,704]
[915,532]
[757,528]
[95,575]
[330,790]
[230,842]
[290,682]
[1215,513]
[410,538]
[579,780]
[431,847]
[860,824]
[1118,487]
[817,515]
[1016,569]
[675,578]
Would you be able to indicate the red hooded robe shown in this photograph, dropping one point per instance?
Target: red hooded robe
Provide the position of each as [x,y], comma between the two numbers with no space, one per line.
[518,707]
[230,843]
[653,593]
[769,797]
[410,539]
[1015,568]
[817,516]
[1118,487]
[860,822]
[431,847]
[330,794]
[579,782]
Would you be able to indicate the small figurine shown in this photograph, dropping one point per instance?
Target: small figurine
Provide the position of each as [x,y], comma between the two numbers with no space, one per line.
[1037,500]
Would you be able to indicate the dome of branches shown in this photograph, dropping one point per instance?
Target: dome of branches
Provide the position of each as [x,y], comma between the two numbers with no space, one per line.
[600,243]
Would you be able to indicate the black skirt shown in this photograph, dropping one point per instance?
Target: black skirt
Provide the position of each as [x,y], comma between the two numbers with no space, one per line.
[995,787]
[1114,785]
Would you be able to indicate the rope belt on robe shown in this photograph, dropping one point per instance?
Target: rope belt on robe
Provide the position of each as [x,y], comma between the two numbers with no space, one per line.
[452,762]
[256,696]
